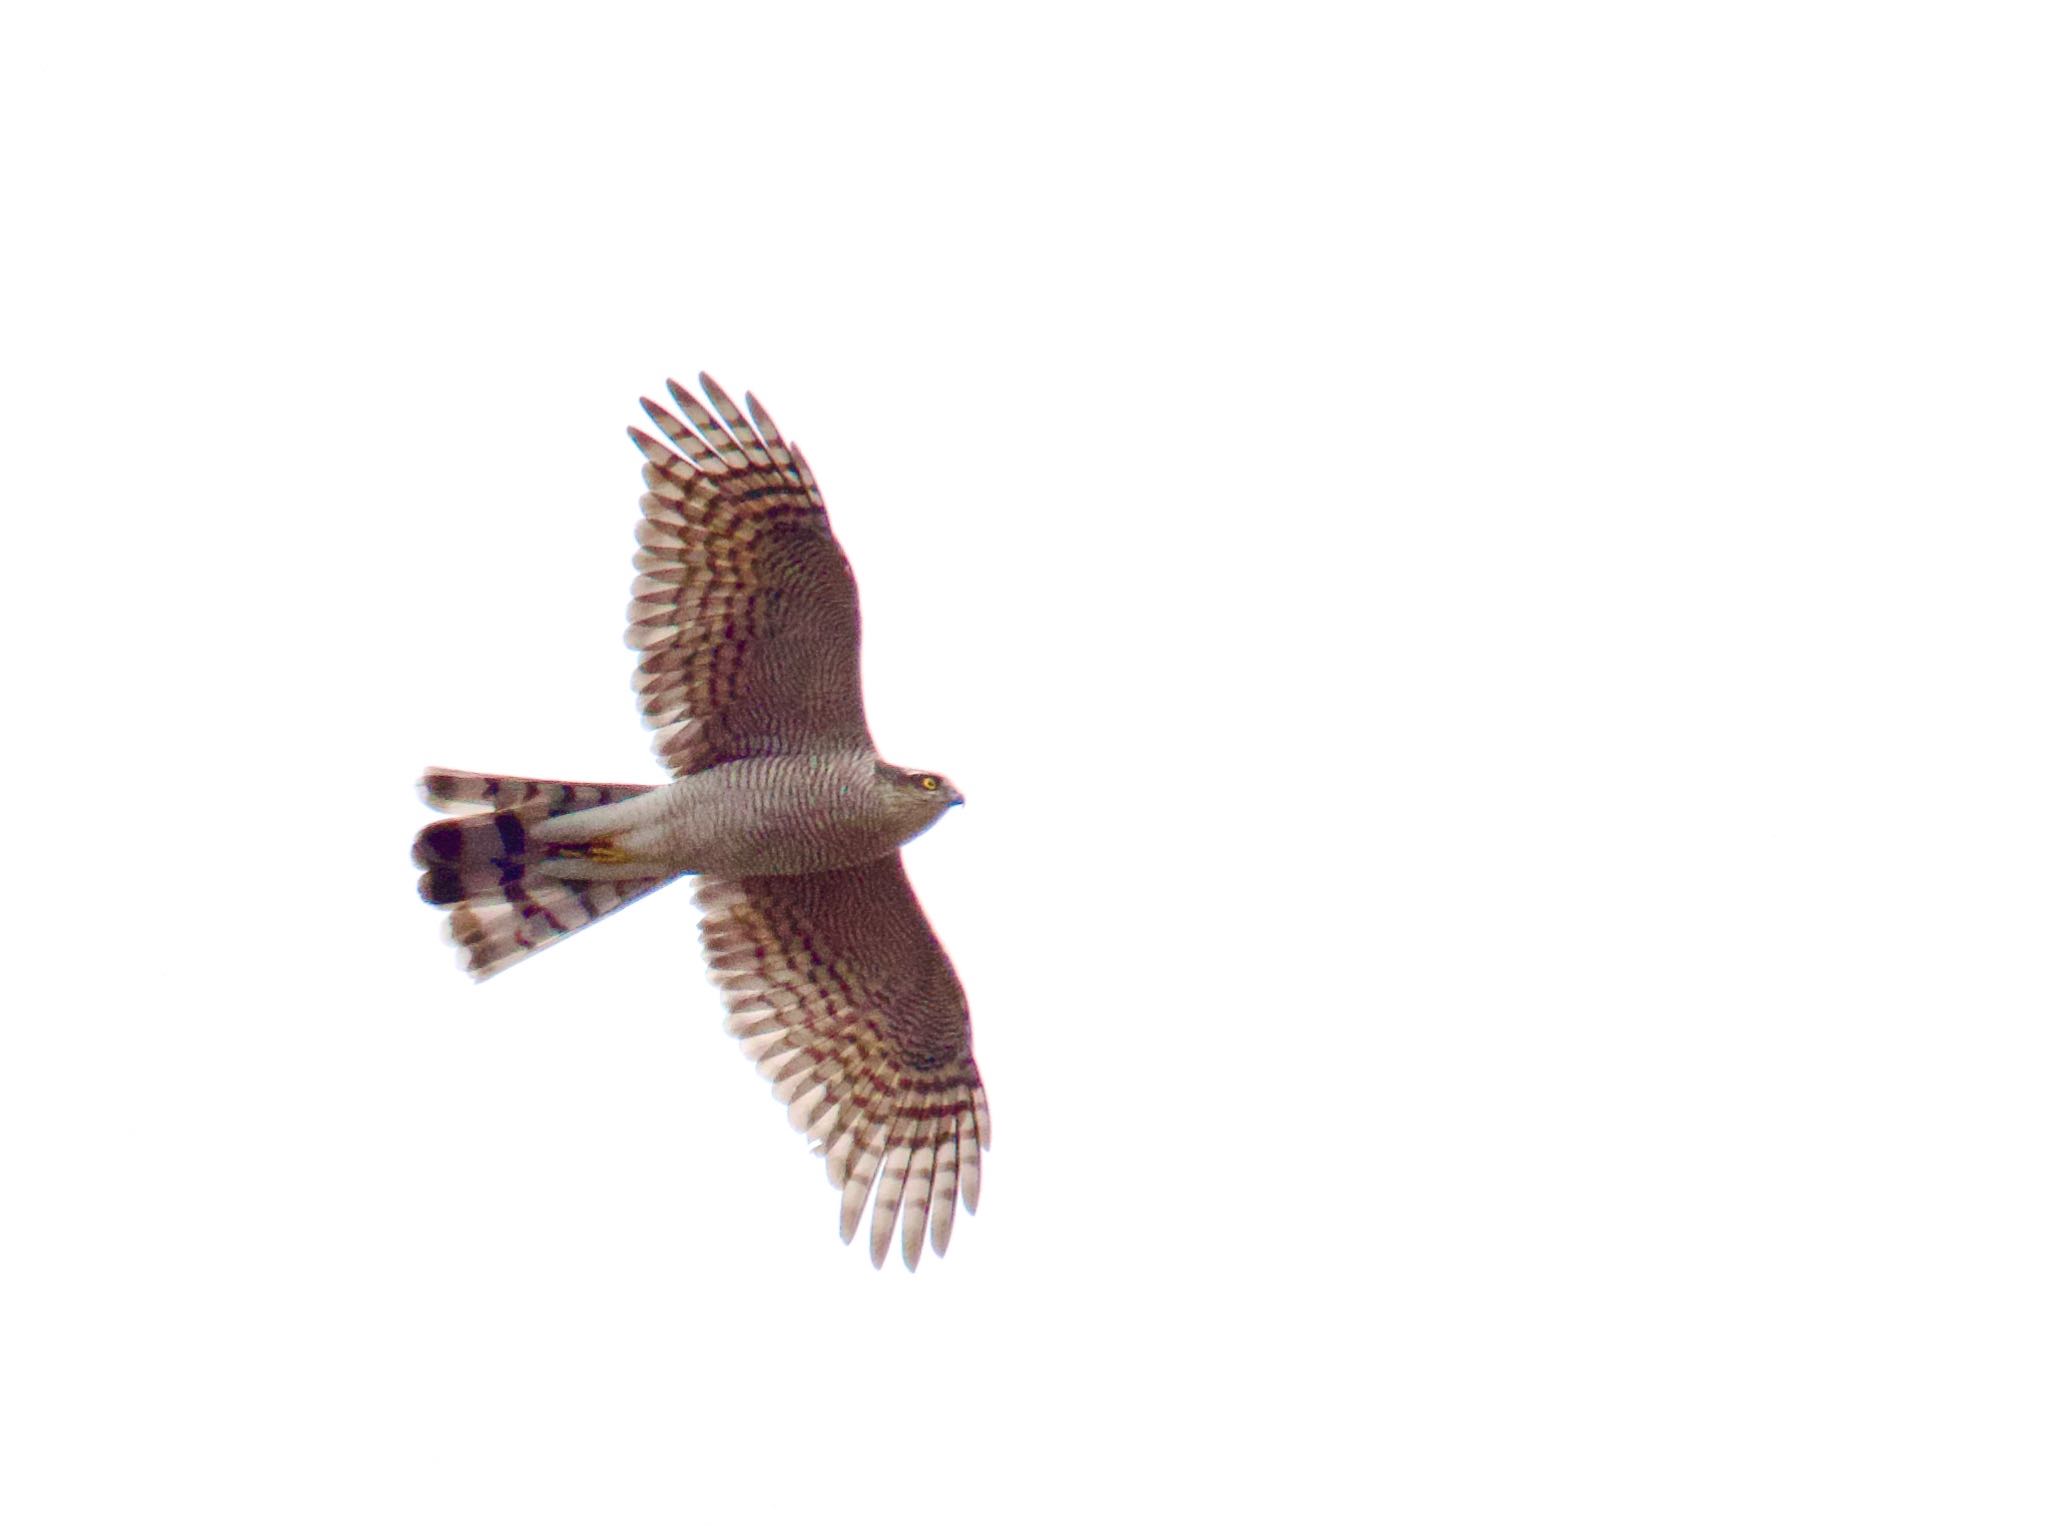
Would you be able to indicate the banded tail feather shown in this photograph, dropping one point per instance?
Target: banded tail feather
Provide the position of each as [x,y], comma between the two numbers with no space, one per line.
[490,865]
[447,790]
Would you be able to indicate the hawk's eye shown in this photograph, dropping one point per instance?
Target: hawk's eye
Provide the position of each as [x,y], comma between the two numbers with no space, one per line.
[927,782]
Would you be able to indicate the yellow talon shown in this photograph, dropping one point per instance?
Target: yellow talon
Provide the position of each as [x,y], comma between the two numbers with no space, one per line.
[601,851]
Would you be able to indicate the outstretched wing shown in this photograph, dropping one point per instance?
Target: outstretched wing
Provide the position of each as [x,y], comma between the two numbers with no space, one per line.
[744,611]
[838,988]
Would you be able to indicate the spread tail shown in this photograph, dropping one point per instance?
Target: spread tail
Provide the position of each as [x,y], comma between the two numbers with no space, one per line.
[488,864]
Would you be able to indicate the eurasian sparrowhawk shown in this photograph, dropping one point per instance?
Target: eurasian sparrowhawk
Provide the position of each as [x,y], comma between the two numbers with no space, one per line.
[748,628]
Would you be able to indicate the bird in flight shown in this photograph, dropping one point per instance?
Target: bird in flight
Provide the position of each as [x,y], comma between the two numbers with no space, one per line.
[748,627]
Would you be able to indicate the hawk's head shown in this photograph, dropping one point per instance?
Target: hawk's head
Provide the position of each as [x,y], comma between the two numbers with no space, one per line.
[920,795]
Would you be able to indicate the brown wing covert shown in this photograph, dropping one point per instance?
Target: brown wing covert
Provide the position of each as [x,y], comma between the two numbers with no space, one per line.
[744,611]
[839,990]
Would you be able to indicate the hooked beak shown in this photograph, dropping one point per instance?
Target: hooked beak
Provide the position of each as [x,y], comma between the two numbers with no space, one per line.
[956,798]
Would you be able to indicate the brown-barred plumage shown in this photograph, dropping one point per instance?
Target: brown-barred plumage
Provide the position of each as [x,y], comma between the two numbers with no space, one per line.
[748,624]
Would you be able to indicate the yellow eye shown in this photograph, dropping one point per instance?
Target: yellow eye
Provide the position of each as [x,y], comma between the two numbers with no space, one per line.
[928,782]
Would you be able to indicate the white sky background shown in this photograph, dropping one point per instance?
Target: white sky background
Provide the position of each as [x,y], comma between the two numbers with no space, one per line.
[1481,570]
